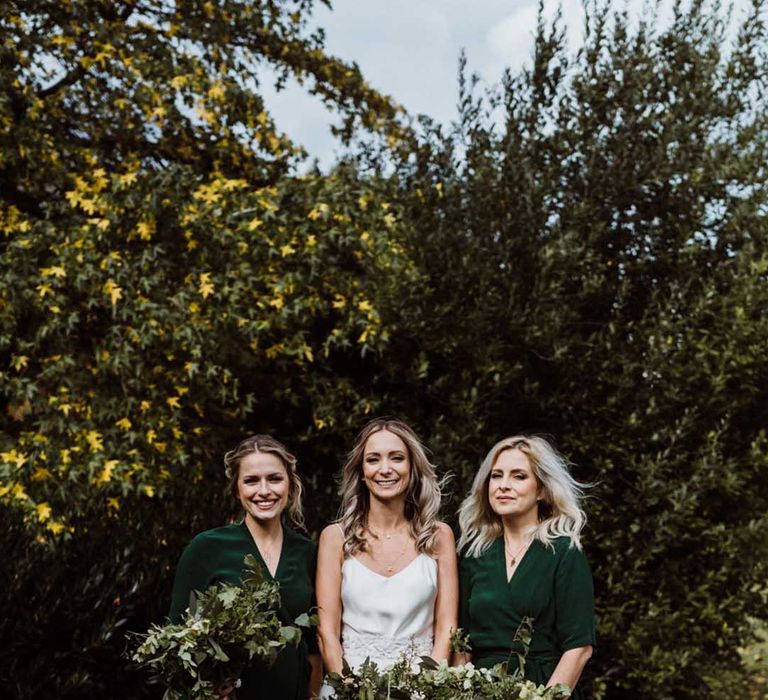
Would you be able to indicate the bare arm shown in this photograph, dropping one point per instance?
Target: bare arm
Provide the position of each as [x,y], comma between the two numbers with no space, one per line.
[447,602]
[570,666]
[330,557]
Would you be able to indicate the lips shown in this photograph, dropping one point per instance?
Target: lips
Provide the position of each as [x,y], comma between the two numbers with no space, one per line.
[386,482]
[264,505]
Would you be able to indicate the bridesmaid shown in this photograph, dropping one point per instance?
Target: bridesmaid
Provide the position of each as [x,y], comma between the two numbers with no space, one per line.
[262,477]
[387,581]
[520,540]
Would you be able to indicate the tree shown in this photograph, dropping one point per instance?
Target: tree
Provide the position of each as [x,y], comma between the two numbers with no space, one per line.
[596,270]
[165,290]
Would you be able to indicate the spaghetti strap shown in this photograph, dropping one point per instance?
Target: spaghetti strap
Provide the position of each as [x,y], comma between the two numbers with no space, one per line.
[341,529]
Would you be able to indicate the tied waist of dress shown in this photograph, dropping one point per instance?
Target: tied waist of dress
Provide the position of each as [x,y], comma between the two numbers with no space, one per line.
[383,651]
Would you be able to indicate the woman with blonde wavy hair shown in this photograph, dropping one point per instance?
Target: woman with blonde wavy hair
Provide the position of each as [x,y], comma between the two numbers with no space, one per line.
[261,475]
[387,582]
[521,544]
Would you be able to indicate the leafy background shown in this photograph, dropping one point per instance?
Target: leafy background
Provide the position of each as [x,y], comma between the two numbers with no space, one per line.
[583,253]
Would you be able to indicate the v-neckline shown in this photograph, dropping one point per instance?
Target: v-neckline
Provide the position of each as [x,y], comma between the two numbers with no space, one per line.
[503,560]
[272,576]
[391,576]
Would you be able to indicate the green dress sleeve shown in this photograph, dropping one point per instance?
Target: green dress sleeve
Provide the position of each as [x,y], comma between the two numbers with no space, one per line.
[192,574]
[574,601]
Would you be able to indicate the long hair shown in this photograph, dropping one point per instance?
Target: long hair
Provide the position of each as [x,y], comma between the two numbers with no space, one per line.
[560,513]
[422,500]
[267,444]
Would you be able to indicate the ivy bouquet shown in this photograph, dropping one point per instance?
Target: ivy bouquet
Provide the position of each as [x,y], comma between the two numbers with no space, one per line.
[431,680]
[225,629]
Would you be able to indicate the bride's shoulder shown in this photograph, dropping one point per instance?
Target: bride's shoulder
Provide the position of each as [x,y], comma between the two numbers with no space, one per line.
[444,539]
[332,536]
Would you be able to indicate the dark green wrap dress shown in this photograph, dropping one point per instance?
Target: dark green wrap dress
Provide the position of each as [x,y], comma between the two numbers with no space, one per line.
[216,556]
[551,585]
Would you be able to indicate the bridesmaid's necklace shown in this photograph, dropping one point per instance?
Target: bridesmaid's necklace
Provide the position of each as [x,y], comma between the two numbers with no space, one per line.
[513,557]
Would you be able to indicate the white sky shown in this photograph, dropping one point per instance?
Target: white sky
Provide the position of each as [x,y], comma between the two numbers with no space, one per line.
[409,49]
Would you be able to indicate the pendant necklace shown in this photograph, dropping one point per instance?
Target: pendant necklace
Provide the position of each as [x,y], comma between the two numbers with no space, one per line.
[513,557]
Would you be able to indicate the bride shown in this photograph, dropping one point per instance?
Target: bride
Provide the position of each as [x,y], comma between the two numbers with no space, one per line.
[387,582]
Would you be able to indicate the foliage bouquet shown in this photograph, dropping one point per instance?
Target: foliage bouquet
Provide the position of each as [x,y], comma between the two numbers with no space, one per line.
[431,680]
[438,681]
[226,628]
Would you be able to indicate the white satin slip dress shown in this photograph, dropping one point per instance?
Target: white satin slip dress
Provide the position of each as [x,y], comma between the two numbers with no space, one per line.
[385,618]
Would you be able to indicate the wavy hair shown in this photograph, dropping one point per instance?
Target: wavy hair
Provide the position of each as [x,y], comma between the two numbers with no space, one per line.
[560,513]
[267,444]
[422,499]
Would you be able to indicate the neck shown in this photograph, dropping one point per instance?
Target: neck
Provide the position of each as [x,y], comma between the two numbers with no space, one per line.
[264,530]
[386,516]
[518,528]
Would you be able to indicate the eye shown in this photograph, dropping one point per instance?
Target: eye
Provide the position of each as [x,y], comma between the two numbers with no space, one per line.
[276,478]
[495,475]
[521,477]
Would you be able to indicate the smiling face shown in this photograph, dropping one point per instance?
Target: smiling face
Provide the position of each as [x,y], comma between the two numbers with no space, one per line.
[386,466]
[262,486]
[513,491]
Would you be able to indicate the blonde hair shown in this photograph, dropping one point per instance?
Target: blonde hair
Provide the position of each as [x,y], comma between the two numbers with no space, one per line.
[560,513]
[422,501]
[267,444]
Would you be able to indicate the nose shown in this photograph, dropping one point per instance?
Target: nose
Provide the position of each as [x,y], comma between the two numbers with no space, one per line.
[262,488]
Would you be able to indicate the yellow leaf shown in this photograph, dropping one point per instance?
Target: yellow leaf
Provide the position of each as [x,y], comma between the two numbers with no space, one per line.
[205,287]
[128,178]
[41,474]
[217,92]
[19,362]
[339,302]
[149,490]
[55,271]
[43,289]
[113,503]
[365,305]
[106,472]
[94,440]
[55,528]
[146,229]
[151,435]
[114,292]
[255,223]
[287,250]
[43,512]
[14,457]
[123,424]
[19,493]
[172,401]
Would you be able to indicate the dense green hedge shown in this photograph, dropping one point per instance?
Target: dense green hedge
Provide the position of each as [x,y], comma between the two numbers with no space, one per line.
[584,255]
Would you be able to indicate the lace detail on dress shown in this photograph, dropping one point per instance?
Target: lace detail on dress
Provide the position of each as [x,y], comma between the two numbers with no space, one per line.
[384,651]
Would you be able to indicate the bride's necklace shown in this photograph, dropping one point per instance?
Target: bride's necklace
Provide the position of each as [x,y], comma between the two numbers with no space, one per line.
[390,559]
[513,557]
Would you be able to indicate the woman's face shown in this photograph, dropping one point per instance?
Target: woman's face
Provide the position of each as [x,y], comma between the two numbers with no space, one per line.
[512,488]
[263,485]
[386,465]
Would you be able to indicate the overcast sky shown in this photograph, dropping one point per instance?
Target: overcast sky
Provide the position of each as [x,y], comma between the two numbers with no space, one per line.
[409,49]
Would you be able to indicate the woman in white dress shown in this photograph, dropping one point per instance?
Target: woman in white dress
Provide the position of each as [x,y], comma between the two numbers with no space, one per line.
[387,582]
